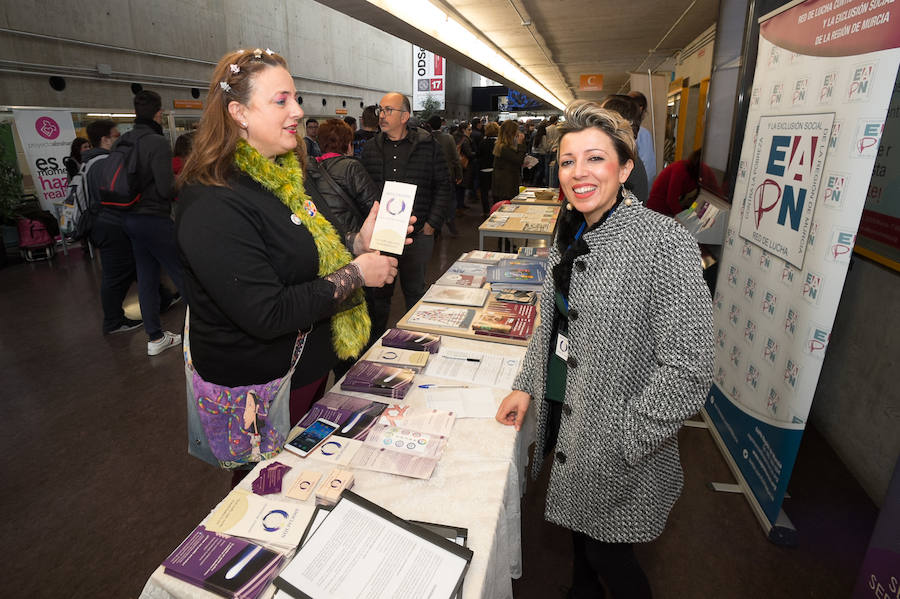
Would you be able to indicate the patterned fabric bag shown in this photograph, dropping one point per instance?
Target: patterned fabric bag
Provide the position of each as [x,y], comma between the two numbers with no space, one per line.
[235,427]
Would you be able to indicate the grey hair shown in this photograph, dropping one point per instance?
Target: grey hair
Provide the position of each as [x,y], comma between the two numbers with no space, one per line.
[584,114]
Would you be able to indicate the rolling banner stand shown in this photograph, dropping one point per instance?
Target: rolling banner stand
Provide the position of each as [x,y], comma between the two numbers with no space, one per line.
[46,137]
[824,78]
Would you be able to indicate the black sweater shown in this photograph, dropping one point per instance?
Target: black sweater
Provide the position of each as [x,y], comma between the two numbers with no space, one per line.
[155,168]
[426,168]
[251,279]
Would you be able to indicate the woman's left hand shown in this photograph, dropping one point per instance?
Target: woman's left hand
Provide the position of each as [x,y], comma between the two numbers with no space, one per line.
[364,237]
[513,408]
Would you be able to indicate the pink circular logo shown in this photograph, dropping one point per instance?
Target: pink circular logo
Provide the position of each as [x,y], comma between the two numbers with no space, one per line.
[47,127]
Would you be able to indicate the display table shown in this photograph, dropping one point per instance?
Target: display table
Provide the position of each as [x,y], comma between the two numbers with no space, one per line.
[527,197]
[466,333]
[520,221]
[476,485]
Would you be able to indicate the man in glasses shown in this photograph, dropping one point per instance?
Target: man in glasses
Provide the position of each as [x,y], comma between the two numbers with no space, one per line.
[409,155]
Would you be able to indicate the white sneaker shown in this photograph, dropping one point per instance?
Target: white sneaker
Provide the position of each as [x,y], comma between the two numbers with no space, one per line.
[163,343]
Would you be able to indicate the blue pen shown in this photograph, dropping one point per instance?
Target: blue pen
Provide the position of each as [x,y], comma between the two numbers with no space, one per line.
[433,386]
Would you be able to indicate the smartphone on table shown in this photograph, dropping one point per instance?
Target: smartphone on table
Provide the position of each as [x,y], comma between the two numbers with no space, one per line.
[304,443]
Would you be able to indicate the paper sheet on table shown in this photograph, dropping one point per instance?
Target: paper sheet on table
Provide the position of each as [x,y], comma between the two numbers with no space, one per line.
[489,370]
[475,402]
[393,462]
[356,552]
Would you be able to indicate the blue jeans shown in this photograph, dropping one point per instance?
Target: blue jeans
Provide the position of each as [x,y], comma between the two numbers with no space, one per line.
[153,242]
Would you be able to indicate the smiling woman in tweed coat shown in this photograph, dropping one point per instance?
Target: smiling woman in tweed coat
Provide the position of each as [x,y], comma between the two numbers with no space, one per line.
[627,298]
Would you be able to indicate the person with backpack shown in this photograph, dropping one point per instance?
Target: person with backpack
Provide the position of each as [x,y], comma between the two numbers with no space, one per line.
[144,157]
[104,229]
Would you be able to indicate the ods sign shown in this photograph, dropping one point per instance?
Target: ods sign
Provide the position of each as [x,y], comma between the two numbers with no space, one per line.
[788,160]
[428,78]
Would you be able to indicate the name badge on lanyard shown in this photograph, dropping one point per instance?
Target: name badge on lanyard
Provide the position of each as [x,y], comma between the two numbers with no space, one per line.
[562,347]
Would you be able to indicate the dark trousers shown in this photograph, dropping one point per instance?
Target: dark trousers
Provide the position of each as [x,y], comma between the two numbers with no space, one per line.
[540,171]
[117,259]
[378,301]
[460,193]
[613,563]
[484,184]
[153,242]
[412,267]
[411,271]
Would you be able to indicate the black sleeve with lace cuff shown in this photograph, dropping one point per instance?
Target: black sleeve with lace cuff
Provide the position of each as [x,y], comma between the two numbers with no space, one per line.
[346,280]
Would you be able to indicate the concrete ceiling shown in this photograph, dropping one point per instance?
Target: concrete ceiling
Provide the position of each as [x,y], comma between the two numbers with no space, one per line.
[557,41]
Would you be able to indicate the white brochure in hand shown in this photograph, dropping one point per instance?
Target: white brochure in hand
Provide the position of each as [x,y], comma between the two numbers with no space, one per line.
[393,217]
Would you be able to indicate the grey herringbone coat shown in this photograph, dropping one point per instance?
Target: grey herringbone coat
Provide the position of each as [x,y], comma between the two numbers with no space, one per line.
[640,362]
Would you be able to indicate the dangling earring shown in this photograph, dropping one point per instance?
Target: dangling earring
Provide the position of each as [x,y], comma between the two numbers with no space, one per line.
[243,124]
[627,198]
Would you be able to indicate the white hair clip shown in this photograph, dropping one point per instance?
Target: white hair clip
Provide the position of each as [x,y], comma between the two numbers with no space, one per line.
[234,68]
[269,52]
[257,53]
[225,87]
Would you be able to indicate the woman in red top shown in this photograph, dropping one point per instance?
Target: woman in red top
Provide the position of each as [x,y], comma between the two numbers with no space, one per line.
[677,179]
[182,149]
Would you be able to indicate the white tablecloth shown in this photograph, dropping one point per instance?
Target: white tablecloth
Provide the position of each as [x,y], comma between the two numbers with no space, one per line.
[476,485]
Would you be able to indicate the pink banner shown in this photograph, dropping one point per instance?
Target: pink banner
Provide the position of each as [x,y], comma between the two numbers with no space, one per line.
[835,27]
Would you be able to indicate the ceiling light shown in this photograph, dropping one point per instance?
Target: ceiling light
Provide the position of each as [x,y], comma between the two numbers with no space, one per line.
[431,20]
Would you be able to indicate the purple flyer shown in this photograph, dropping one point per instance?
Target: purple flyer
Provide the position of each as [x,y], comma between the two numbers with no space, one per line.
[354,414]
[879,575]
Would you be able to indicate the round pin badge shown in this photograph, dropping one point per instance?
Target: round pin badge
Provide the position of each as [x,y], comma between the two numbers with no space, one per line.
[310,207]
[296,219]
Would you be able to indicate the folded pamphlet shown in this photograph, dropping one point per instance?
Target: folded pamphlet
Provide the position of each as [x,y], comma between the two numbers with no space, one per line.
[412,340]
[225,565]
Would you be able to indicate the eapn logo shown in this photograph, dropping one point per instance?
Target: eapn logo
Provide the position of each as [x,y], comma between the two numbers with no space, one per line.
[789,198]
[860,82]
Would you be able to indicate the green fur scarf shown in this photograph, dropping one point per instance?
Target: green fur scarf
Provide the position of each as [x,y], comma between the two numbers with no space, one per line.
[284,178]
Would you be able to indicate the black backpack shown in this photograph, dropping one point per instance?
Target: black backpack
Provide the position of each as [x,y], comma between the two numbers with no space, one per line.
[119,177]
[83,203]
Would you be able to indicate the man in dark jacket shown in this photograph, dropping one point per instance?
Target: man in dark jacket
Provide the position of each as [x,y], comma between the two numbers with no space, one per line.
[107,234]
[410,155]
[148,223]
[451,153]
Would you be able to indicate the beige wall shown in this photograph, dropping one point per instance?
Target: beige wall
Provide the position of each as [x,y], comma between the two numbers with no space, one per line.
[171,47]
[696,63]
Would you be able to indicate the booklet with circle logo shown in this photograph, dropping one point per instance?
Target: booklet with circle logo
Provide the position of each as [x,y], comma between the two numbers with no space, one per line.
[394,211]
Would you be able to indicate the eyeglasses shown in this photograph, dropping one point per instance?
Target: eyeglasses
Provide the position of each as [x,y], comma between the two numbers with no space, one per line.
[389,110]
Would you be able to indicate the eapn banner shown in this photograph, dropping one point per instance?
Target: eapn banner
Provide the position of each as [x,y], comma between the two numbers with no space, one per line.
[824,77]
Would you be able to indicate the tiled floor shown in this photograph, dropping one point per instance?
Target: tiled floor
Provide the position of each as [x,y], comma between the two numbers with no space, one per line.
[97,488]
